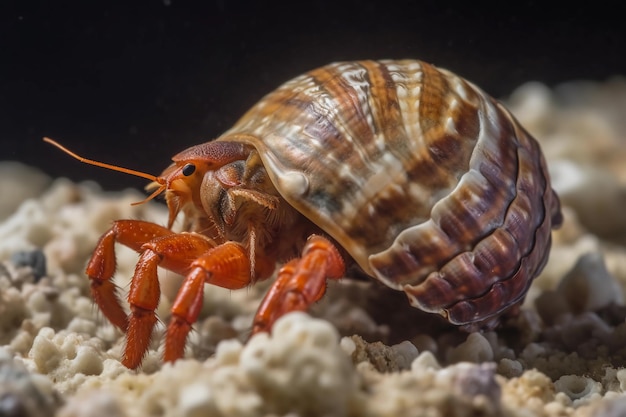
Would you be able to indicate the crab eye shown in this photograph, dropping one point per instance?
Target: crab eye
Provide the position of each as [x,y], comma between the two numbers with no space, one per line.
[188,169]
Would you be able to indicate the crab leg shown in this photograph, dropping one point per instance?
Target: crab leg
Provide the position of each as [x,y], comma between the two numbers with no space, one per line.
[226,266]
[300,282]
[101,266]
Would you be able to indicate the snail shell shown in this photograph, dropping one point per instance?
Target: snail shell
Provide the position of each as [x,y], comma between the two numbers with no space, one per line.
[428,183]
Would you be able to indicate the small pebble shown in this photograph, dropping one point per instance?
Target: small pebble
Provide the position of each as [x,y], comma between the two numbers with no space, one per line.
[34,259]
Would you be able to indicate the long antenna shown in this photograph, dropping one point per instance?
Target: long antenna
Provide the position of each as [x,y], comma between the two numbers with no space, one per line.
[101,164]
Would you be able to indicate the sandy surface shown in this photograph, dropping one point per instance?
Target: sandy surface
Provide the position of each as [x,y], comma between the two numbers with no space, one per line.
[362,351]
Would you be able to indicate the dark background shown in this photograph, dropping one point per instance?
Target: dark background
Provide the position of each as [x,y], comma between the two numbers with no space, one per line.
[135,83]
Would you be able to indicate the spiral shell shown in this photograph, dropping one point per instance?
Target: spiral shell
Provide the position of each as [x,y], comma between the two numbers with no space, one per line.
[428,183]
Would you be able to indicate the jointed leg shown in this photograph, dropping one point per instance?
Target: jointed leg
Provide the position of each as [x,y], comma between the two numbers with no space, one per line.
[101,266]
[300,282]
[188,254]
[226,265]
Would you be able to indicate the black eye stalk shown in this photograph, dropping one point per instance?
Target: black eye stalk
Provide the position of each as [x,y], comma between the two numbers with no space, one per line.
[189,169]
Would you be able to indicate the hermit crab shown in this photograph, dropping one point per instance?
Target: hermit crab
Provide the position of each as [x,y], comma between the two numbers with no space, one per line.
[406,171]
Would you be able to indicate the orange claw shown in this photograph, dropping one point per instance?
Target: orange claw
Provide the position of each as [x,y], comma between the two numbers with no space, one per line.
[300,283]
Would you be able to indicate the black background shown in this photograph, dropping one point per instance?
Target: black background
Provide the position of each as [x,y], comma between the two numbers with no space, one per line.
[133,83]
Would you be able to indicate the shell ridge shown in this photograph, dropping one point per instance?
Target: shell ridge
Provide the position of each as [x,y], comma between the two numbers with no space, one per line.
[469,280]
[513,287]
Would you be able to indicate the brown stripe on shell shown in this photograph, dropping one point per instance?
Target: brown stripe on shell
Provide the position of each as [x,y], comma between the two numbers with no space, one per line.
[444,155]
[350,114]
[383,101]
[432,109]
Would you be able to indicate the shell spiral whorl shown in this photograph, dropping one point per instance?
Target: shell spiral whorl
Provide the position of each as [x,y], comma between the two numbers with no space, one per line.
[428,183]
